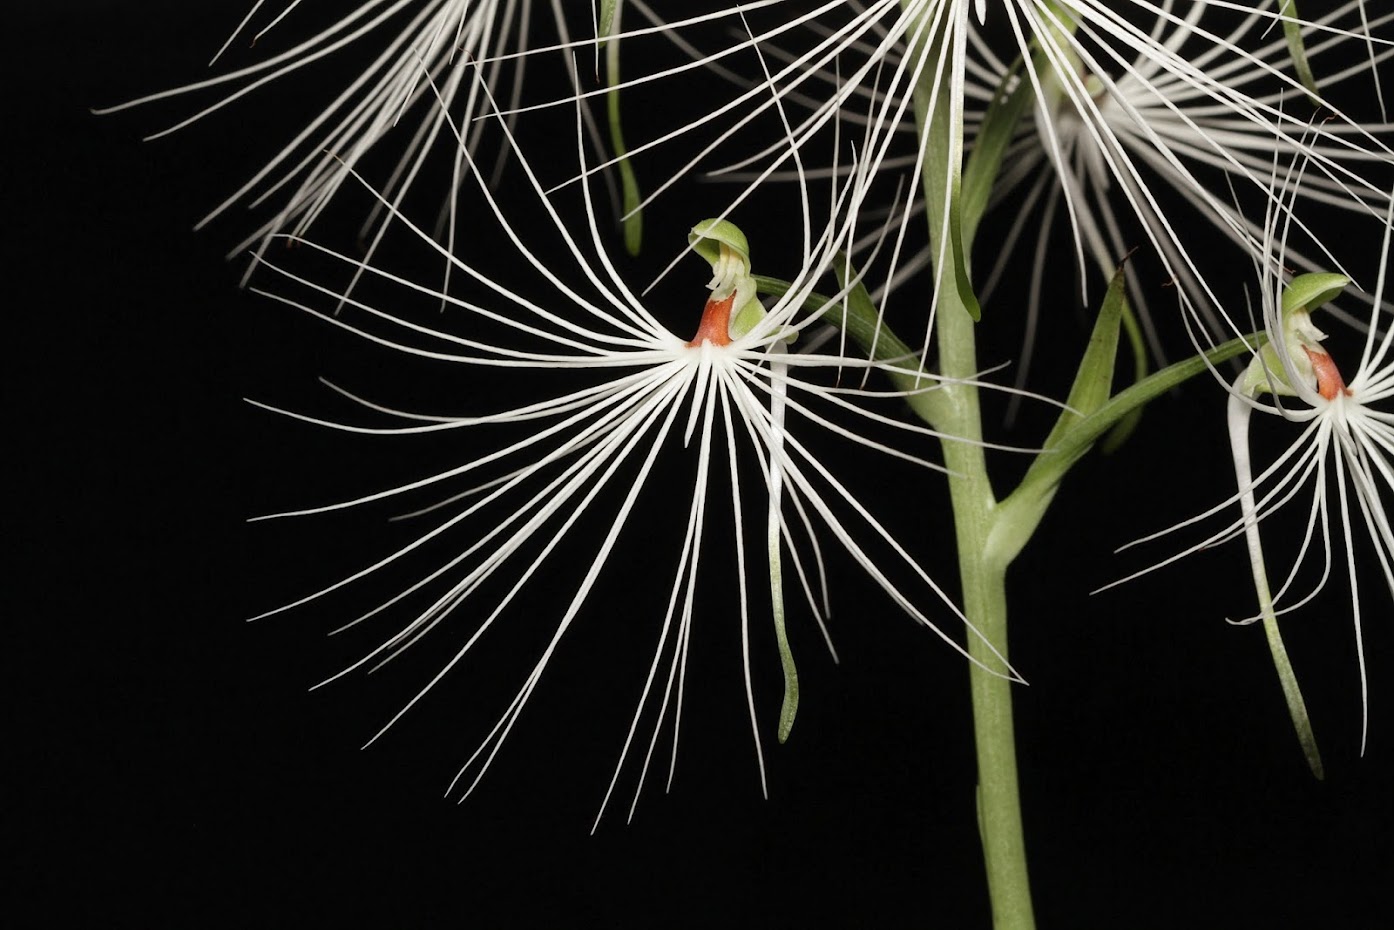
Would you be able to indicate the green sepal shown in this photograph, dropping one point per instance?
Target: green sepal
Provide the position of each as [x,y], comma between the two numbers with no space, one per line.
[708,236]
[1310,291]
[1297,49]
[744,320]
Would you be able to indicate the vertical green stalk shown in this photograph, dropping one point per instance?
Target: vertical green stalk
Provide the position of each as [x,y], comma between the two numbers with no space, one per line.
[982,569]
[983,576]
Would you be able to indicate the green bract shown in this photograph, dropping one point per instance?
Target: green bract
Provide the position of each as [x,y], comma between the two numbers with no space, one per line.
[1310,291]
[709,236]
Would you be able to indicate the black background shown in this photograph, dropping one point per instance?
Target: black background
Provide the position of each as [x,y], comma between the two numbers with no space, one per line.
[171,768]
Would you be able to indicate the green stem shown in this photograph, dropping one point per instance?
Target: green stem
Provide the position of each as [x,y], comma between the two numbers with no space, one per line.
[982,570]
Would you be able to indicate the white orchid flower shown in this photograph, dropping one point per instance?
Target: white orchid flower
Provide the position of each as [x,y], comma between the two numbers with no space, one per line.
[1343,417]
[1346,439]
[722,398]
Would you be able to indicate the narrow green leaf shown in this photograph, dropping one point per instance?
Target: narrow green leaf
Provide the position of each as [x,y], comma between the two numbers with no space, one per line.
[959,247]
[629,183]
[1021,513]
[1010,100]
[978,809]
[1297,48]
[1023,508]
[605,25]
[1155,385]
[942,180]
[1124,428]
[963,281]
[1094,378]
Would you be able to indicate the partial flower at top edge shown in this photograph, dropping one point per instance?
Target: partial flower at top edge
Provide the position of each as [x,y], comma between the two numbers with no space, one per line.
[1200,155]
[1130,121]
[428,62]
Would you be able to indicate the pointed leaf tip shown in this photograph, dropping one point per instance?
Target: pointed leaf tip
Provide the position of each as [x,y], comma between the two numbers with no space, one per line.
[1093,383]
